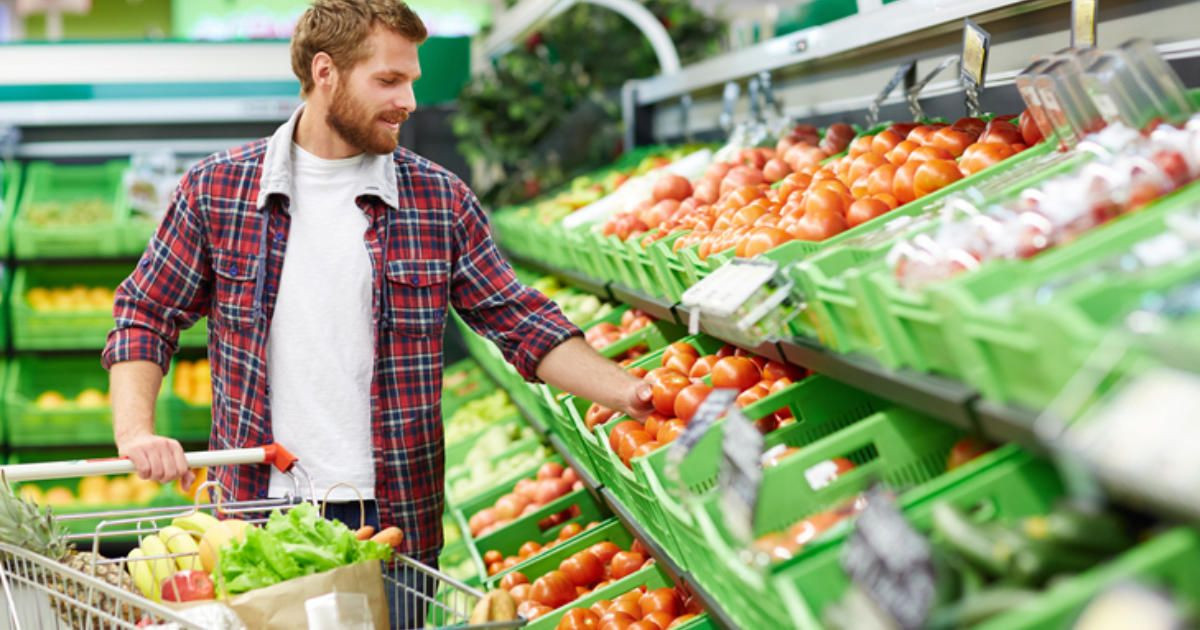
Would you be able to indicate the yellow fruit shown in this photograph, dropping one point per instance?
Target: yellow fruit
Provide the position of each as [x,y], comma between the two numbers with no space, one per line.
[142,573]
[120,491]
[181,542]
[190,491]
[146,493]
[161,566]
[59,496]
[50,400]
[93,491]
[32,494]
[90,398]
[217,537]
[100,298]
[198,523]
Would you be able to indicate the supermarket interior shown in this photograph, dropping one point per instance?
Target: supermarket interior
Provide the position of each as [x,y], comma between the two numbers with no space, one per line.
[914,285]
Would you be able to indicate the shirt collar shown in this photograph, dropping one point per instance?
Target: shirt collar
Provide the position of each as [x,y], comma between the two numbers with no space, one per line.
[380,178]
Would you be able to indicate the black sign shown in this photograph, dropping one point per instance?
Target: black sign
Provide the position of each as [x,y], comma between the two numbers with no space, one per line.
[891,562]
[741,474]
[714,406]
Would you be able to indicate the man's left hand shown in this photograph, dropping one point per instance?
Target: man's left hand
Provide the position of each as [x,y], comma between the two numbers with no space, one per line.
[640,402]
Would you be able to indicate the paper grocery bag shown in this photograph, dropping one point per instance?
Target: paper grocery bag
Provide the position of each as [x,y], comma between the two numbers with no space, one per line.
[281,607]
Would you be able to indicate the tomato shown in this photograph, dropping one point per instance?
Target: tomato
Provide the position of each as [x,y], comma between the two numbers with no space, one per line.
[604,551]
[753,395]
[739,177]
[902,183]
[981,155]
[1001,131]
[652,423]
[510,506]
[793,183]
[780,384]
[922,134]
[1031,134]
[966,450]
[764,239]
[864,164]
[628,607]
[569,530]
[837,136]
[644,625]
[774,371]
[926,153]
[864,210]
[601,607]
[689,399]
[661,600]
[861,145]
[630,443]
[822,474]
[702,367]
[616,620]
[621,428]
[533,610]
[902,129]
[626,563]
[492,556]
[810,528]
[513,579]
[520,593]
[801,156]
[879,182]
[550,470]
[494,568]
[858,189]
[935,175]
[670,430]
[528,549]
[775,169]
[885,141]
[553,589]
[890,200]
[660,619]
[738,373]
[899,154]
[583,569]
[579,619]
[971,125]
[681,620]
[820,224]
[637,372]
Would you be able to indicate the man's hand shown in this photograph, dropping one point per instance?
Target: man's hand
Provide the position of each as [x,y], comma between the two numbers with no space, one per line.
[576,368]
[639,403]
[156,458]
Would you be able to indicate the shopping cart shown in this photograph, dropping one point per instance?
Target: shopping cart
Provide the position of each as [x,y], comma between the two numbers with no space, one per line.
[37,592]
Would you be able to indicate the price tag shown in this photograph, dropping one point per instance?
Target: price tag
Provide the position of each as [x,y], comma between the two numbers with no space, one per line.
[741,474]
[1131,600]
[977,43]
[1083,23]
[907,73]
[714,406]
[891,562]
[721,293]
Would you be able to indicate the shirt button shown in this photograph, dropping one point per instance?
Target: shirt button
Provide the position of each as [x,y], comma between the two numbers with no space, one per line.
[279,236]
[233,270]
[271,287]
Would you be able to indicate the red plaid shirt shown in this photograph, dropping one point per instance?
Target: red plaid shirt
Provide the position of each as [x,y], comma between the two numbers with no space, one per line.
[219,253]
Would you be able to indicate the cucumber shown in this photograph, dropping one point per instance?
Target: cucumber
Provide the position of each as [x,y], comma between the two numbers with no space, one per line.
[976,543]
[1070,526]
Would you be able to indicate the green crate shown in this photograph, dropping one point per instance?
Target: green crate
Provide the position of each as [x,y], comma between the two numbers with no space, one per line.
[902,448]
[820,406]
[528,446]
[457,452]
[178,418]
[49,182]
[30,424]
[669,272]
[61,329]
[139,228]
[509,538]
[195,336]
[10,190]
[1004,353]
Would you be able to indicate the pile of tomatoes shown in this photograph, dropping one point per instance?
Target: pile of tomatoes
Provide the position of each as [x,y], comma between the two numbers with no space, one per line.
[496,562]
[604,334]
[682,382]
[551,482]
[639,609]
[583,572]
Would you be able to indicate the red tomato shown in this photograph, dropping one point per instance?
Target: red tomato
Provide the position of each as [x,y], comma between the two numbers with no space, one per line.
[654,376]
[891,200]
[972,126]
[738,373]
[583,569]
[601,607]
[550,470]
[520,593]
[820,224]
[764,239]
[553,589]
[652,423]
[966,450]
[666,389]
[864,210]
[825,200]
[629,608]
[922,134]
[702,367]
[671,186]
[861,145]
[569,530]
[902,183]
[926,153]
[899,154]
[689,399]
[952,140]
[533,610]
[775,169]
[903,129]
[864,164]
[493,556]
[597,415]
[1001,131]
[981,155]
[739,177]
[579,619]
[528,549]
[621,428]
[753,395]
[885,141]
[604,551]
[626,563]
[510,506]
[660,619]
[774,370]
[661,600]
[616,620]
[680,350]
[1031,134]
[510,580]
[879,182]
[637,372]
[644,625]
[630,443]
[935,175]
[858,189]
[670,430]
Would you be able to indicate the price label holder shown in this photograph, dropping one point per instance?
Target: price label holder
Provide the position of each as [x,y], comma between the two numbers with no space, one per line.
[977,44]
[913,93]
[778,123]
[729,99]
[744,301]
[907,72]
[741,474]
[890,562]
[685,115]
[712,409]
[1083,23]
[1132,600]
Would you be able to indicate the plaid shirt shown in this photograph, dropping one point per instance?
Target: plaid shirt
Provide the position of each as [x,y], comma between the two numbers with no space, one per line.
[219,253]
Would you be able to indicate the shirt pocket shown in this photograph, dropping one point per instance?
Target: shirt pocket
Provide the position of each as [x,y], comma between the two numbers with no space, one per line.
[236,275]
[417,294]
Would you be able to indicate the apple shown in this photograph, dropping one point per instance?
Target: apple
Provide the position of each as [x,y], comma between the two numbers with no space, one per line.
[187,586]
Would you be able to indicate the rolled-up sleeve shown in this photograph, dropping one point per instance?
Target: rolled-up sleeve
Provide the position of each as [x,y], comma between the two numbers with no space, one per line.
[167,291]
[522,322]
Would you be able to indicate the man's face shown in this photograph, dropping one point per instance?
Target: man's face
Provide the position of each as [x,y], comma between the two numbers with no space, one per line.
[372,99]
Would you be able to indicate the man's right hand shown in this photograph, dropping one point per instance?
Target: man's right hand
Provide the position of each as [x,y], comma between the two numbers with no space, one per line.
[156,458]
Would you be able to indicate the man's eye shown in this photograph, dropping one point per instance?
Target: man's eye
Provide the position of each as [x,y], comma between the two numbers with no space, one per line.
[388,82]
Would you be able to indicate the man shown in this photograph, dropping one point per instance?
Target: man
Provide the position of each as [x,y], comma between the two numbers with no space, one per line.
[325,258]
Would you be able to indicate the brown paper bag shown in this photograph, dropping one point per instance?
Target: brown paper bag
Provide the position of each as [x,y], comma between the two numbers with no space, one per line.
[282,606]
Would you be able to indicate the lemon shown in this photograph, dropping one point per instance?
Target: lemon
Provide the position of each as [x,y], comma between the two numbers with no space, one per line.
[90,398]
[50,400]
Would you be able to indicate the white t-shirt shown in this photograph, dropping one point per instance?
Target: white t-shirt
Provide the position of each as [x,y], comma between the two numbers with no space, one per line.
[321,348]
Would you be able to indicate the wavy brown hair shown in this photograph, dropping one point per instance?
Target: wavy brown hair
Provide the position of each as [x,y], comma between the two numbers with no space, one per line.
[340,28]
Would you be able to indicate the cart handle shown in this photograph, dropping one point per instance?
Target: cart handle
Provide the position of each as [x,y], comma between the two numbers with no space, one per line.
[271,454]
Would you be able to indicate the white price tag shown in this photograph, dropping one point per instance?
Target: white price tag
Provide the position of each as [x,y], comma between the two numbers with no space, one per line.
[1083,23]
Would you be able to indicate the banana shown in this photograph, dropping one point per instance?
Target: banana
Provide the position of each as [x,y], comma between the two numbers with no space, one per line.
[197,523]
[161,567]
[179,541]
[142,574]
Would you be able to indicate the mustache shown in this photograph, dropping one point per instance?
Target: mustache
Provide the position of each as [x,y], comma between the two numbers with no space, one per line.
[396,117]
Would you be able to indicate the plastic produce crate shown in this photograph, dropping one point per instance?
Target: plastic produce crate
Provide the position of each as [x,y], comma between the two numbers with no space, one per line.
[10,189]
[531,446]
[178,418]
[670,274]
[62,421]
[820,405]
[902,448]
[46,182]
[1010,355]
[457,452]
[53,329]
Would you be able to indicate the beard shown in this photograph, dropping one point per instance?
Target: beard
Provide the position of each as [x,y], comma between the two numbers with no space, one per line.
[357,125]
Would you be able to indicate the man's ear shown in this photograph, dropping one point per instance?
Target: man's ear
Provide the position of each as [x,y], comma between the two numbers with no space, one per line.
[324,72]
